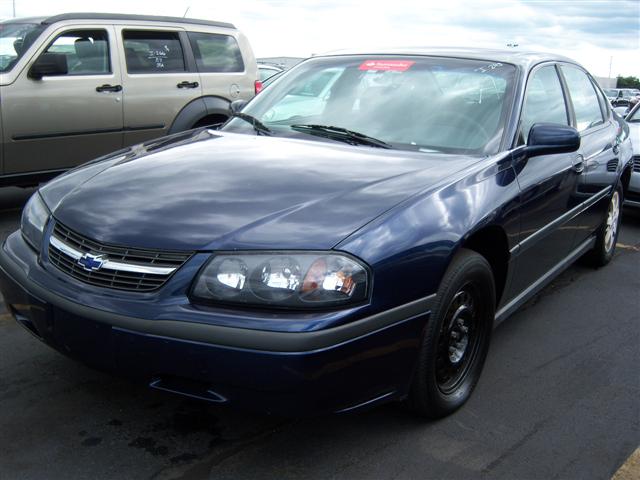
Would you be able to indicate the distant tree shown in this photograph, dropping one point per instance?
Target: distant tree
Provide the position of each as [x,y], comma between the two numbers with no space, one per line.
[628,82]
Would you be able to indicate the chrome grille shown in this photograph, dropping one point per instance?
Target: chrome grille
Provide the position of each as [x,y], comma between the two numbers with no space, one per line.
[122,268]
[636,163]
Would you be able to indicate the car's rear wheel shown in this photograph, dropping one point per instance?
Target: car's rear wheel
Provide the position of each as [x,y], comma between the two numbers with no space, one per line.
[457,338]
[607,236]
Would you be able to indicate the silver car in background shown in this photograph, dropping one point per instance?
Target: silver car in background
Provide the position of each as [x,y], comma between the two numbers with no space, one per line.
[633,120]
[79,85]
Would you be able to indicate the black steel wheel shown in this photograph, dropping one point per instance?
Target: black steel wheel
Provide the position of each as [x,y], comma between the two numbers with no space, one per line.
[457,338]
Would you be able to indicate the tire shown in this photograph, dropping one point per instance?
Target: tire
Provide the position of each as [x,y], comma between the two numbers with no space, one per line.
[607,236]
[451,358]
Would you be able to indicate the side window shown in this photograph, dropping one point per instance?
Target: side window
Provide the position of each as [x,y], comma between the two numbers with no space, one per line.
[151,51]
[604,103]
[544,102]
[216,53]
[584,98]
[87,51]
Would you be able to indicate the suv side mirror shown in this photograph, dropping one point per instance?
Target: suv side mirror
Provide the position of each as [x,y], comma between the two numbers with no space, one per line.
[237,105]
[49,64]
[550,138]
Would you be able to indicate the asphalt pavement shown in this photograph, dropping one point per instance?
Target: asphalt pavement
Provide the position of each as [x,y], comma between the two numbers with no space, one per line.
[558,399]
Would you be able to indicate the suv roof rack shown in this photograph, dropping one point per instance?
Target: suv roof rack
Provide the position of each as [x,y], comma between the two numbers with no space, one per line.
[120,16]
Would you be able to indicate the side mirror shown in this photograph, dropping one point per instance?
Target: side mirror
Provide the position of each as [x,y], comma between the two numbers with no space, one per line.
[237,105]
[49,64]
[550,138]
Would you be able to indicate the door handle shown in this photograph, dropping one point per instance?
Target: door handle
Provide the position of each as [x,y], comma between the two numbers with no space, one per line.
[186,84]
[109,88]
[578,164]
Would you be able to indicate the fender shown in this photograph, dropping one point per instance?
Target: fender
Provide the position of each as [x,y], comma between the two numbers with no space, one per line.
[197,109]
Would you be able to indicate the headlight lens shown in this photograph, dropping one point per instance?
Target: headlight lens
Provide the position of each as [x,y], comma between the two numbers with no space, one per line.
[283,279]
[34,220]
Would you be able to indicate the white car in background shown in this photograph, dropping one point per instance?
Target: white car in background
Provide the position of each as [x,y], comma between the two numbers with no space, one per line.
[633,119]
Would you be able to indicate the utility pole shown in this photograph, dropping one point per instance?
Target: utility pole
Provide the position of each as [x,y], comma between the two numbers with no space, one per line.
[14,8]
[610,62]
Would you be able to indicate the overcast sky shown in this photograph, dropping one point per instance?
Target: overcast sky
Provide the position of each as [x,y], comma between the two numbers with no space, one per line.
[592,32]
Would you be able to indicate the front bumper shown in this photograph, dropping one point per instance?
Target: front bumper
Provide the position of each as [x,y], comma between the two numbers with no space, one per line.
[356,364]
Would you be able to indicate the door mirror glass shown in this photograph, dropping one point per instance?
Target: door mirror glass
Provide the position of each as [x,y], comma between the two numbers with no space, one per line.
[551,138]
[49,64]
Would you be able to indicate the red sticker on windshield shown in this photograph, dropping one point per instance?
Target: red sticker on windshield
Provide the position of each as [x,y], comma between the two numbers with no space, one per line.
[387,65]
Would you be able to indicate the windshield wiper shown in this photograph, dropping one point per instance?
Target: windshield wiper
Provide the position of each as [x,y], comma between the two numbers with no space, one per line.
[258,126]
[341,134]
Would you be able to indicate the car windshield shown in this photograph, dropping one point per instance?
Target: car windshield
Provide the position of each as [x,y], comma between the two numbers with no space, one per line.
[415,103]
[610,93]
[15,39]
[634,116]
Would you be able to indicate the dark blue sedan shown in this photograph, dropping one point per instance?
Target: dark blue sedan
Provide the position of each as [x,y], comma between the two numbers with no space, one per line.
[349,238]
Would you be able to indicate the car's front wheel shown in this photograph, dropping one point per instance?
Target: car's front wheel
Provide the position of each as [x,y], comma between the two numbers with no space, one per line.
[457,338]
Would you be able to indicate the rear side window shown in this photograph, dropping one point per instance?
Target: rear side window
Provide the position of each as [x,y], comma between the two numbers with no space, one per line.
[584,98]
[87,51]
[544,102]
[216,53]
[153,52]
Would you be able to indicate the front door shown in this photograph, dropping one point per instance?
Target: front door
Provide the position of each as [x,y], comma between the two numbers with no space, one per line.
[548,185]
[57,122]
[160,80]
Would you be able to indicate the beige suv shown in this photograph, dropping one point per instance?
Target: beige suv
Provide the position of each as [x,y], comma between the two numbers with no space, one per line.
[77,86]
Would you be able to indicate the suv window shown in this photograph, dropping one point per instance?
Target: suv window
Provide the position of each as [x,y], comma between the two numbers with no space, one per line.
[584,98]
[15,39]
[87,51]
[544,102]
[216,53]
[153,52]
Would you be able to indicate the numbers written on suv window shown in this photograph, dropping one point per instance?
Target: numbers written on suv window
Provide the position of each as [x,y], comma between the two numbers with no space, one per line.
[153,52]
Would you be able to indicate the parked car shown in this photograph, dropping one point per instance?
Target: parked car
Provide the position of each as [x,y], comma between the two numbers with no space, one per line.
[633,120]
[267,71]
[334,260]
[622,97]
[76,86]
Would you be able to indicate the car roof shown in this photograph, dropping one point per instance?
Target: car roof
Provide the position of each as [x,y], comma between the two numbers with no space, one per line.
[119,17]
[516,57]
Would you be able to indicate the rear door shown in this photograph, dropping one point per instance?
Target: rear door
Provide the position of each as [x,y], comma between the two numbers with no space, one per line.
[60,121]
[598,149]
[160,78]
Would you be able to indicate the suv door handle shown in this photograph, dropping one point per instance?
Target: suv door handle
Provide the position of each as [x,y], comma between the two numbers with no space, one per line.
[109,88]
[578,164]
[188,84]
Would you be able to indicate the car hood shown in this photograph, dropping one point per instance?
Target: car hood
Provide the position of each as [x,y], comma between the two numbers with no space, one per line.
[231,191]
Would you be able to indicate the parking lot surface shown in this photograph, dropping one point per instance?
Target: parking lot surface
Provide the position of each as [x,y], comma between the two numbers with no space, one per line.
[558,399]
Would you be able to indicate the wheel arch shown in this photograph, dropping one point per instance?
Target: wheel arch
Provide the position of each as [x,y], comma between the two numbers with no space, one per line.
[198,109]
[491,242]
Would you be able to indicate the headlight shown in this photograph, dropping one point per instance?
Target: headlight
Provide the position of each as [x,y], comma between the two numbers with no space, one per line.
[34,220]
[282,279]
